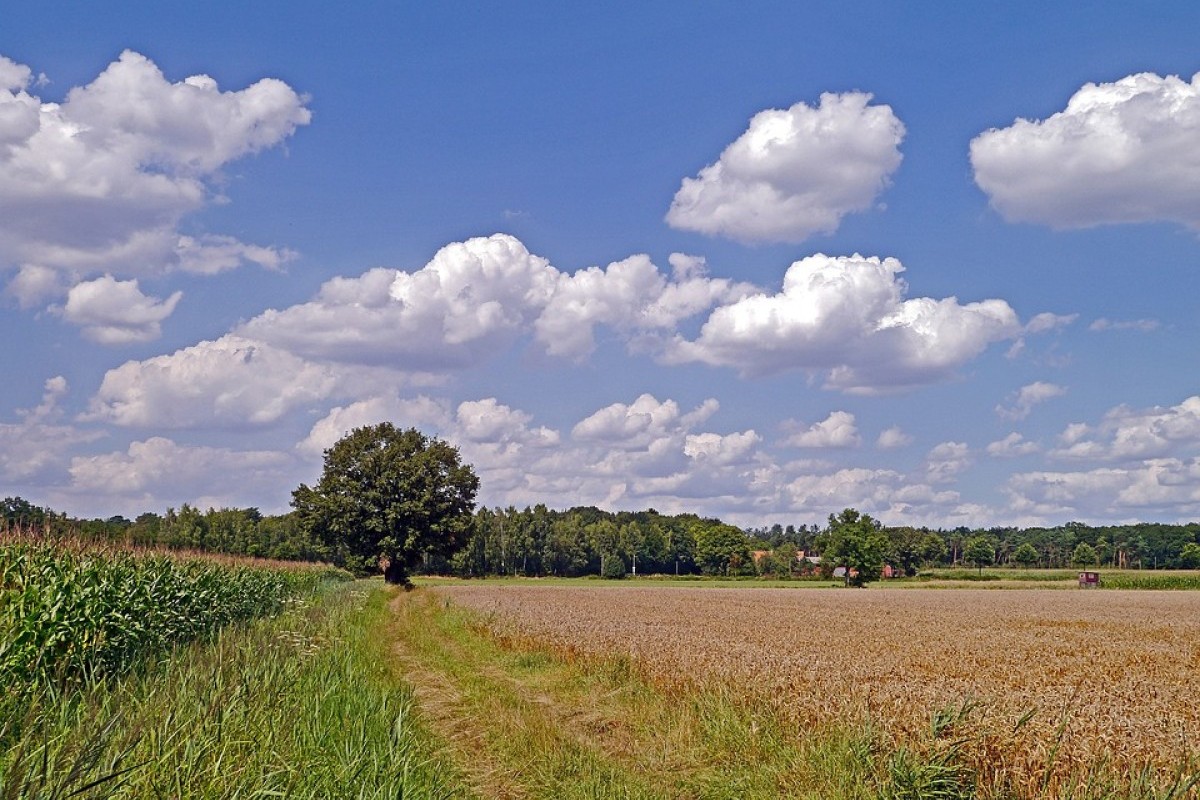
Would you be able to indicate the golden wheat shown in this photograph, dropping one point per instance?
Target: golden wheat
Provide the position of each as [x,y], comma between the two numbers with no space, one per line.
[1111,677]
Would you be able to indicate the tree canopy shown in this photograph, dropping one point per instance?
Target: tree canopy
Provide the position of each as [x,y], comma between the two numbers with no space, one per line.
[721,549]
[980,551]
[389,496]
[857,542]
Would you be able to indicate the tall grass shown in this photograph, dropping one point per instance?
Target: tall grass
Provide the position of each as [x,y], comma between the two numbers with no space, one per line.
[307,704]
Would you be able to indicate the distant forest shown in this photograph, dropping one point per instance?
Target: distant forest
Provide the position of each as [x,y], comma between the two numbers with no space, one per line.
[588,541]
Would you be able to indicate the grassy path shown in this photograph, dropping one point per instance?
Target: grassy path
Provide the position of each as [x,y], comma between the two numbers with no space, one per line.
[524,724]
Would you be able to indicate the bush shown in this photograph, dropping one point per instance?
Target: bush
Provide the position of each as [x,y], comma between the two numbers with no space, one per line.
[613,567]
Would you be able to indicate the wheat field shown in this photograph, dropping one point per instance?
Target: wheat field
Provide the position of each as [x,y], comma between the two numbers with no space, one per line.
[1057,682]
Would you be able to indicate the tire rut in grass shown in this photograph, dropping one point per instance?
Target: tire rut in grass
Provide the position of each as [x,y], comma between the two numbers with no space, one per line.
[451,705]
[444,709]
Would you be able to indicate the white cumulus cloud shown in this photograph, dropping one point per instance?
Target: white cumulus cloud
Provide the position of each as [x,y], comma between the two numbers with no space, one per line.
[946,461]
[847,316]
[160,471]
[892,438]
[836,430]
[475,298]
[795,172]
[1127,151]
[1131,434]
[632,425]
[227,382]
[1166,489]
[419,412]
[715,448]
[116,312]
[1011,446]
[100,182]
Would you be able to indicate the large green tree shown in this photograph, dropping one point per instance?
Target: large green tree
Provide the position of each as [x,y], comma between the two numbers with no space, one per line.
[858,543]
[1084,555]
[1026,555]
[721,549]
[980,551]
[389,496]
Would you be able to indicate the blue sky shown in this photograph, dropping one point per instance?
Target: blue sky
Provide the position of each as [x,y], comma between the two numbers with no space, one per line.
[763,261]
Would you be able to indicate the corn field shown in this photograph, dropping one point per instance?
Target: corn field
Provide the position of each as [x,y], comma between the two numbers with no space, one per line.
[71,612]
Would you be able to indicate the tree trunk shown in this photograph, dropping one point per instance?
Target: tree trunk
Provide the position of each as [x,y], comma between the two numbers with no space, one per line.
[394,573]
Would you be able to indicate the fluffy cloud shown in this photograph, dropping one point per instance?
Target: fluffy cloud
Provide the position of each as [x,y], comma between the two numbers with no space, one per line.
[625,455]
[649,452]
[1011,446]
[474,298]
[468,302]
[1166,489]
[947,461]
[886,494]
[116,312]
[158,471]
[1127,151]
[419,412]
[634,425]
[844,315]
[227,382]
[892,438]
[493,437]
[1144,465]
[1028,396]
[101,181]
[630,296]
[490,422]
[836,430]
[848,316]
[713,448]
[38,443]
[1131,434]
[794,172]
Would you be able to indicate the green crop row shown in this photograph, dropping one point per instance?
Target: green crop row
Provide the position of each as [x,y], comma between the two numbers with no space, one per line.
[69,614]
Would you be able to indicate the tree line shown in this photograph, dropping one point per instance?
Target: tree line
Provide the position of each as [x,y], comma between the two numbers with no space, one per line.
[538,541]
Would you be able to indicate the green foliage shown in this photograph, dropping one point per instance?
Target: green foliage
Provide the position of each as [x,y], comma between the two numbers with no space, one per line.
[1189,556]
[613,567]
[1026,555]
[308,704]
[722,550]
[980,551]
[913,777]
[70,614]
[857,542]
[909,548]
[1084,555]
[1151,580]
[389,495]
[779,562]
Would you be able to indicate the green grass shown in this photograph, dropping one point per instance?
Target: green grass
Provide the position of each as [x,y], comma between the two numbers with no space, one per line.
[989,577]
[657,581]
[1109,578]
[309,704]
